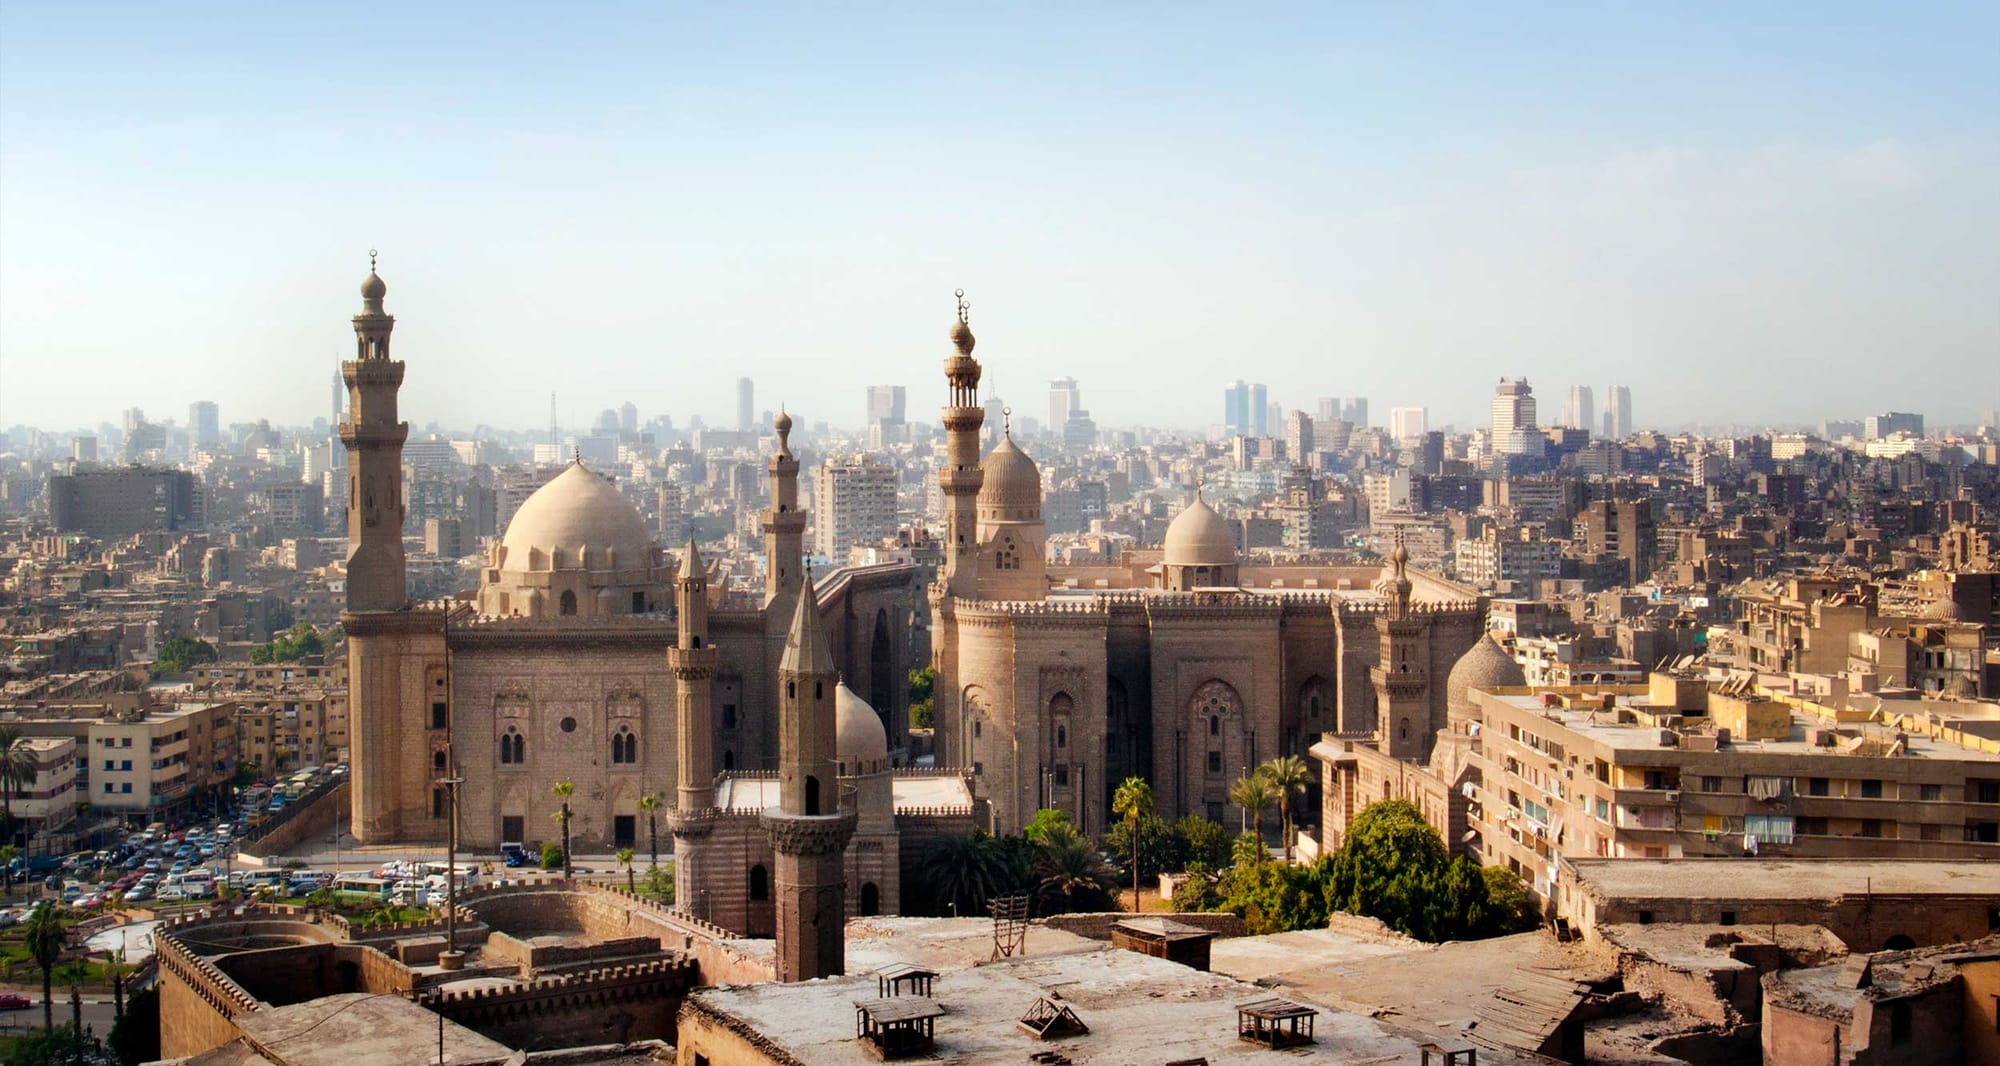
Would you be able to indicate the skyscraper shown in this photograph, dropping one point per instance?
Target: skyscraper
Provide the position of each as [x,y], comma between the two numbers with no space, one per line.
[1408,422]
[854,502]
[628,417]
[1236,409]
[1617,412]
[1064,399]
[204,422]
[1355,410]
[339,398]
[1329,409]
[746,410]
[885,415]
[1514,429]
[1299,444]
[1260,411]
[1581,410]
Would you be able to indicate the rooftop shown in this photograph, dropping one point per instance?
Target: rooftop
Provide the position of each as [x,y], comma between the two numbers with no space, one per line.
[358,1029]
[1606,727]
[1783,879]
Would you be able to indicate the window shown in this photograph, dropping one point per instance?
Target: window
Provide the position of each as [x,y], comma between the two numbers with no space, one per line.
[1214,726]
[439,715]
[109,763]
[760,884]
[1930,793]
[1728,918]
[1816,786]
[638,603]
[1899,1023]
[437,803]
[812,794]
[1769,828]
[871,899]
[568,604]
[1871,827]
[513,827]
[1645,917]
[124,764]
[1062,774]
[107,787]
[1711,784]
[125,742]
[728,716]
[624,830]
[624,747]
[1214,762]
[1062,736]
[437,761]
[568,725]
[1871,788]
[126,788]
[513,747]
[1987,791]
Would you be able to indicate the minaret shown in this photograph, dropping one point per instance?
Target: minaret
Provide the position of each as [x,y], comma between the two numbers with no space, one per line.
[784,523]
[960,479]
[1402,678]
[693,662]
[374,440]
[809,827]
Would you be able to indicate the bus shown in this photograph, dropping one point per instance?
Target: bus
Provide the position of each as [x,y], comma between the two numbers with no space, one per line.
[361,888]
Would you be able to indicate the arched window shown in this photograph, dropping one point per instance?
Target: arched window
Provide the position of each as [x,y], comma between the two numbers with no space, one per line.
[812,795]
[1403,729]
[1214,725]
[520,748]
[728,759]
[791,690]
[624,746]
[568,603]
[760,883]
[437,761]
[1062,736]
[871,899]
[513,747]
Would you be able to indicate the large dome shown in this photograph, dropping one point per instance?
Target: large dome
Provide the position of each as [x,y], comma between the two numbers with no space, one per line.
[1010,479]
[861,744]
[1486,665]
[1200,537]
[575,511]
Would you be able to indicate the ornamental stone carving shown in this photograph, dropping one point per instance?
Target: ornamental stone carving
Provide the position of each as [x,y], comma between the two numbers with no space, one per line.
[808,834]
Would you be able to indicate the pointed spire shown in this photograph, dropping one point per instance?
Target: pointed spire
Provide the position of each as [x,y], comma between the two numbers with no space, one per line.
[692,568]
[807,650]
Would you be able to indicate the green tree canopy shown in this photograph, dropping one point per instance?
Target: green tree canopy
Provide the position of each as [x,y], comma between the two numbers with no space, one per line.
[302,641]
[923,697]
[181,654]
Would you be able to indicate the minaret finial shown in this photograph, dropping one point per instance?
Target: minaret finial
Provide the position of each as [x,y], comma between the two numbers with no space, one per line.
[371,260]
[1007,421]
[576,454]
[964,307]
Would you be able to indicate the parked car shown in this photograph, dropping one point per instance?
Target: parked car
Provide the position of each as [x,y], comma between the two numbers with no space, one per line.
[15,1001]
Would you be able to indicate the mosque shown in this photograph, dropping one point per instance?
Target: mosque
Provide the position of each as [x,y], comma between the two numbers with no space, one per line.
[589,655]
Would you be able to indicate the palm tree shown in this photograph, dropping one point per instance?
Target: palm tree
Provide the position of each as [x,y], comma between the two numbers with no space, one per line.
[114,969]
[7,855]
[1071,873]
[564,790]
[963,872]
[17,768]
[650,803]
[625,860]
[1255,794]
[1133,800]
[45,940]
[74,973]
[1288,776]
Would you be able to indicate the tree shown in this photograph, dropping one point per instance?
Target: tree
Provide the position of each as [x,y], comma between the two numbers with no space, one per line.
[1511,905]
[625,860]
[564,790]
[1133,800]
[1205,842]
[1289,776]
[115,971]
[181,654]
[1046,821]
[923,697]
[1070,874]
[650,804]
[302,641]
[1255,794]
[660,883]
[1391,865]
[135,1037]
[8,853]
[962,872]
[45,939]
[554,857]
[74,973]
[17,770]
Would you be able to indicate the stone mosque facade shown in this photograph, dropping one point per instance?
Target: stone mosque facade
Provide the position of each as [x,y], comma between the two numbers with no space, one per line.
[774,728]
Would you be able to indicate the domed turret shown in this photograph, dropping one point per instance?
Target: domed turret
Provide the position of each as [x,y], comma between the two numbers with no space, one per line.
[373,288]
[1012,483]
[861,744]
[1486,665]
[580,543]
[1200,550]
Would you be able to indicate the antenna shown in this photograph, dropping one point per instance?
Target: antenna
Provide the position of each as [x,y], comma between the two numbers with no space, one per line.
[552,418]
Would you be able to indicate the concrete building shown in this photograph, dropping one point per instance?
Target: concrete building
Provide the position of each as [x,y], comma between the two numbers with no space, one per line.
[1299,443]
[1581,410]
[1514,429]
[204,423]
[48,800]
[1506,558]
[113,503]
[1930,1007]
[1621,530]
[746,404]
[1065,399]
[854,503]
[1891,423]
[1617,412]
[1406,423]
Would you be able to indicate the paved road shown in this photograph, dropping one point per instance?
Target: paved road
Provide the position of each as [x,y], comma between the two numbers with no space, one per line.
[97,1013]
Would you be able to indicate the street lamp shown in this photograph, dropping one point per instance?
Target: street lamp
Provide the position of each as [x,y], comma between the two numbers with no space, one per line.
[450,958]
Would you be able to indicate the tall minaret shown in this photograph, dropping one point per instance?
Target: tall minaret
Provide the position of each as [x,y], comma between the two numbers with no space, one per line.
[809,828]
[1402,677]
[693,661]
[784,524]
[960,479]
[374,440]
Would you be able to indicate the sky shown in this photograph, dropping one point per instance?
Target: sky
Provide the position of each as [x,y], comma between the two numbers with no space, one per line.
[1748,213]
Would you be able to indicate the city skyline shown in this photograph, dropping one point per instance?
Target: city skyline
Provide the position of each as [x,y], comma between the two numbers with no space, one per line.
[1608,223]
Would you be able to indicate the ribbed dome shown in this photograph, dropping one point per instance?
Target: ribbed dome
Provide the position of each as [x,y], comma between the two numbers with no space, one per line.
[1200,537]
[574,511]
[1486,665]
[861,744]
[1011,479]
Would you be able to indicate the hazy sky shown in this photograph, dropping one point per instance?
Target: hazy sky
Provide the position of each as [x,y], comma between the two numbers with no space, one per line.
[1747,212]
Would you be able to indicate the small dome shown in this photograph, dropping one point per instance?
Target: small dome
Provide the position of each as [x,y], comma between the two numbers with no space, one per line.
[373,287]
[861,744]
[784,422]
[1011,479]
[574,511]
[1485,665]
[961,337]
[1200,537]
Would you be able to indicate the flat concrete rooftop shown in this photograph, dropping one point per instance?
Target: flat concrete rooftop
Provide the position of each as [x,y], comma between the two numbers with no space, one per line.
[1603,727]
[357,1029]
[1779,879]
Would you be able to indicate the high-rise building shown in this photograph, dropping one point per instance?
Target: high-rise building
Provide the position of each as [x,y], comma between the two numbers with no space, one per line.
[1236,409]
[1299,437]
[1408,422]
[83,449]
[1260,411]
[1064,399]
[1876,427]
[1617,412]
[1329,409]
[628,417]
[1355,410]
[746,409]
[1514,428]
[204,422]
[1581,410]
[120,502]
[854,503]
[339,400]
[885,415]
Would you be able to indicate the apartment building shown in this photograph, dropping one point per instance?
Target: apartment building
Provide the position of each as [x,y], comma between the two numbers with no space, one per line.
[140,760]
[1506,558]
[283,729]
[49,800]
[1679,769]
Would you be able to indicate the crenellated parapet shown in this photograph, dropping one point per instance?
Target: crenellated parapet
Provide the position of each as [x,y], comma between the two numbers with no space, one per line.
[810,834]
